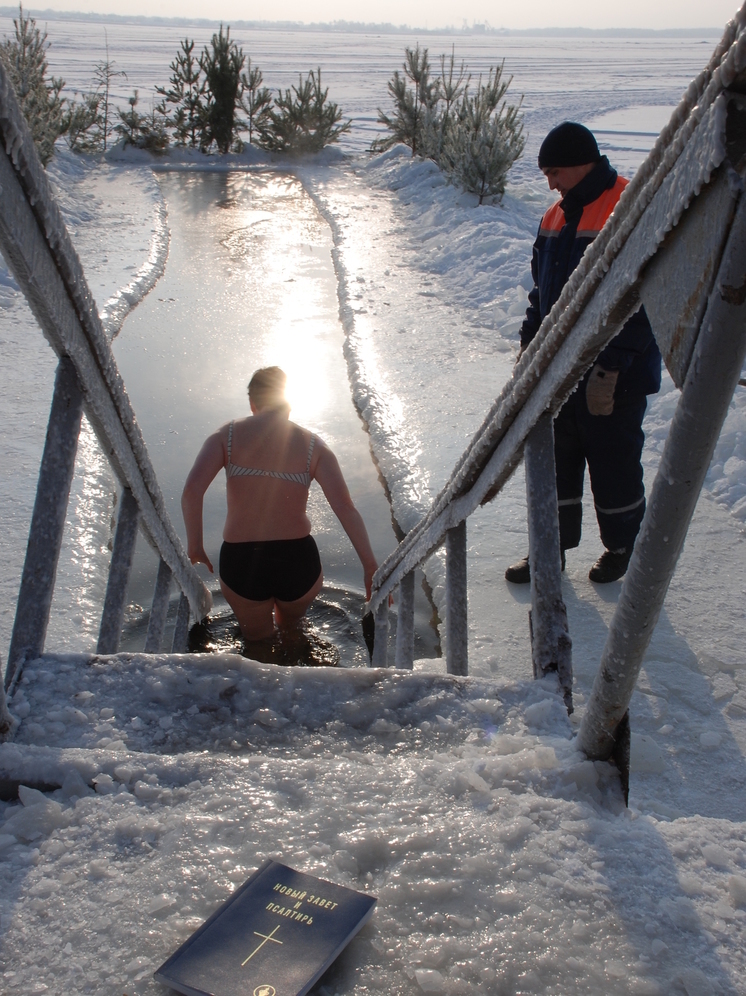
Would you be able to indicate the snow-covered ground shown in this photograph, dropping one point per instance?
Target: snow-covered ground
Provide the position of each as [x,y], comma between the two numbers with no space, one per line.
[503,861]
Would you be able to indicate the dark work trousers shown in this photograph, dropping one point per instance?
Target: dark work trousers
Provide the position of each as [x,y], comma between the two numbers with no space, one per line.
[611,445]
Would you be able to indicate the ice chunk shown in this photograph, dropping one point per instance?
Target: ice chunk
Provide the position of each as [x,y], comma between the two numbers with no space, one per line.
[737,889]
[73,785]
[710,739]
[723,686]
[382,725]
[516,830]
[716,856]
[616,969]
[31,796]
[162,902]
[646,757]
[346,862]
[696,983]
[72,715]
[44,888]
[37,820]
[681,912]
[541,714]
[99,868]
[136,965]
[104,783]
[269,718]
[429,980]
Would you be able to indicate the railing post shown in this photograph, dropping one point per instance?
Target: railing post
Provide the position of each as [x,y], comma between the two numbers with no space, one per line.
[159,609]
[47,521]
[551,647]
[457,649]
[705,398]
[180,643]
[6,721]
[381,641]
[405,623]
[112,618]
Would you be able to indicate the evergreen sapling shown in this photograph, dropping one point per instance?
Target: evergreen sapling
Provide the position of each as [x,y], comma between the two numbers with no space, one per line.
[412,105]
[25,60]
[104,75]
[143,131]
[187,95]
[486,141]
[303,119]
[222,65]
[256,101]
[472,137]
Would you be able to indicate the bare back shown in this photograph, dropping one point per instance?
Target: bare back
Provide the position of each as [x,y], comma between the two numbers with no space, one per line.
[270,465]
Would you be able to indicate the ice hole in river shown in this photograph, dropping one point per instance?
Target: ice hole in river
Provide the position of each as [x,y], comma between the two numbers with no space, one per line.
[250,282]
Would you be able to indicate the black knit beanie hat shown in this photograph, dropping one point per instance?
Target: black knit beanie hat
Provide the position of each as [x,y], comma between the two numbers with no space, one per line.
[569,144]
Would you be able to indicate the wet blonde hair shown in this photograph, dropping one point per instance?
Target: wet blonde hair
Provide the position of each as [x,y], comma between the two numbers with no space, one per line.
[267,388]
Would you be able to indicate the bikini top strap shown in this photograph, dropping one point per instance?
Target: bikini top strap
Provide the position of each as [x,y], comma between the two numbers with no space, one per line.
[310,453]
[230,440]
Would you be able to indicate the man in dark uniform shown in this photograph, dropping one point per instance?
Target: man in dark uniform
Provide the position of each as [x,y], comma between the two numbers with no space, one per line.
[601,422]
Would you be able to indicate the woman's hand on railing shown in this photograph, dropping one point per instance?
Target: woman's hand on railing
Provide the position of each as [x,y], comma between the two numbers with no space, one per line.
[198,556]
[369,570]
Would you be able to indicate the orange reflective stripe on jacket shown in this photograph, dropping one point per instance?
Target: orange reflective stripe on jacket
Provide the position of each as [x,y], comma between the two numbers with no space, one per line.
[593,218]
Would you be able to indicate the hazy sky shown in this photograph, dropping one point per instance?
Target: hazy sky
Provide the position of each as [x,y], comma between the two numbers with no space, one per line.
[432,13]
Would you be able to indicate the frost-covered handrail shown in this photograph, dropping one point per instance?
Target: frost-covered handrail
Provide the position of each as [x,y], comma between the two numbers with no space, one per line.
[603,291]
[38,249]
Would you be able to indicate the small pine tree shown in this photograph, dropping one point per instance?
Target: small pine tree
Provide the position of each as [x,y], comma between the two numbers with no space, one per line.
[83,125]
[143,131]
[471,137]
[412,106]
[485,142]
[104,75]
[25,60]
[222,67]
[441,117]
[304,119]
[187,95]
[256,100]
[487,154]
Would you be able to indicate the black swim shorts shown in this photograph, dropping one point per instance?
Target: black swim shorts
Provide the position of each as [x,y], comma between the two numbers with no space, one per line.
[281,569]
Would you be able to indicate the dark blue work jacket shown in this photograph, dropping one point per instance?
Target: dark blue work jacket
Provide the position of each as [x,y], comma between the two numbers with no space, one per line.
[566,230]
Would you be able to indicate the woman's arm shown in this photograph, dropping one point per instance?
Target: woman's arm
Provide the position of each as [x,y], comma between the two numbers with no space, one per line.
[333,484]
[210,460]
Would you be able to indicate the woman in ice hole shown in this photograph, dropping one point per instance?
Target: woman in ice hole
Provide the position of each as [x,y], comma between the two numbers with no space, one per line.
[270,570]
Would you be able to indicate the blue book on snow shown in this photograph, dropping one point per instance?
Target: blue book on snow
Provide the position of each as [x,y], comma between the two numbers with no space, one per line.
[275,936]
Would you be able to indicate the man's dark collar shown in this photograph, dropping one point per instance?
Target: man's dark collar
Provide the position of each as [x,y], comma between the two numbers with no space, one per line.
[600,178]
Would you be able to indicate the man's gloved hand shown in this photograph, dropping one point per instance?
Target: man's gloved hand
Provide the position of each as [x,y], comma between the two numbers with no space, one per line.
[599,392]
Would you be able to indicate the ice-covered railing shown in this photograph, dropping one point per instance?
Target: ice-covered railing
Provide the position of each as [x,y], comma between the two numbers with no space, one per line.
[674,244]
[37,248]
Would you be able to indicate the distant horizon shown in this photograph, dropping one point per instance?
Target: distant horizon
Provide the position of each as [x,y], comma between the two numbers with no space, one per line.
[358,26]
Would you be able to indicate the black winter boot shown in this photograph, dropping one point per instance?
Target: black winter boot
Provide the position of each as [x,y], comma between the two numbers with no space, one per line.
[520,572]
[610,566]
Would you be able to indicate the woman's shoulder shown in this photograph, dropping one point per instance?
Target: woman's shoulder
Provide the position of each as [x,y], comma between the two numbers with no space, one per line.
[307,434]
